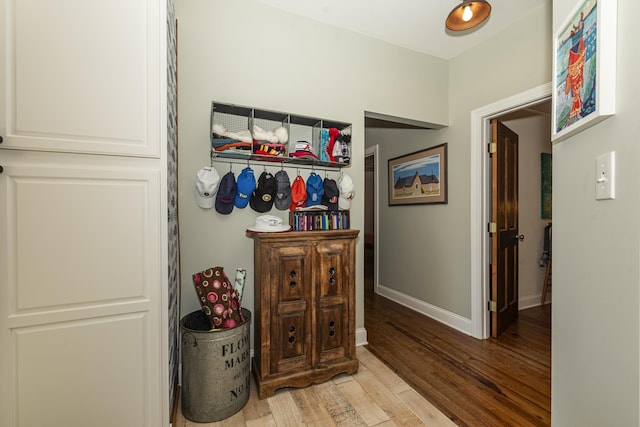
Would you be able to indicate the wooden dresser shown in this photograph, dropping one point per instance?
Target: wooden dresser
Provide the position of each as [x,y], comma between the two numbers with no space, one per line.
[304,320]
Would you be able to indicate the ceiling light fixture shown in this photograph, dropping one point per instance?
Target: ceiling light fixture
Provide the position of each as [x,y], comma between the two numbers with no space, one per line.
[468,14]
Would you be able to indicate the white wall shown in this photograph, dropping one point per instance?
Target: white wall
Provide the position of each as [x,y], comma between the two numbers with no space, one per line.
[596,250]
[246,53]
[533,139]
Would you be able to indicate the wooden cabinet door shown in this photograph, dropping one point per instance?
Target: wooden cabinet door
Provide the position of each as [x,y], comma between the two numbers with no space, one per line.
[290,308]
[332,278]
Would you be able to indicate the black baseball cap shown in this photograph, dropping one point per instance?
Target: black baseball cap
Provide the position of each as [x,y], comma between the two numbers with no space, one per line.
[330,194]
[263,196]
[283,190]
[226,194]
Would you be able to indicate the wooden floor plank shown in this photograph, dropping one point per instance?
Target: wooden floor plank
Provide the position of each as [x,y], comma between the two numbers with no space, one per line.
[386,400]
[384,374]
[424,409]
[341,411]
[284,409]
[266,421]
[368,410]
[313,411]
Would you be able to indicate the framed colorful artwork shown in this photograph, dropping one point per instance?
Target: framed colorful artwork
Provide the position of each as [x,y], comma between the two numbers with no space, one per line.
[584,68]
[419,177]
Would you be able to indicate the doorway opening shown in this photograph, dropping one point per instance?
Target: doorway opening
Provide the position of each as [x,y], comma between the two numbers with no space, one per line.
[480,198]
[371,219]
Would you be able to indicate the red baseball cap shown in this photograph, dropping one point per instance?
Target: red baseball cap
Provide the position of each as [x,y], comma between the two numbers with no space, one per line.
[298,193]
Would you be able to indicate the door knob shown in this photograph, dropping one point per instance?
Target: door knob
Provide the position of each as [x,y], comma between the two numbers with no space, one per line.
[1,169]
[520,237]
[1,140]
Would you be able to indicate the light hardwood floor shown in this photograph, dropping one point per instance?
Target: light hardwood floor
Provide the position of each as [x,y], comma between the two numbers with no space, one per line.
[374,396]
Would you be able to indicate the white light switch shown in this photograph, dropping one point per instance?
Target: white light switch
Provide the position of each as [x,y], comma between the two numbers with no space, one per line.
[606,176]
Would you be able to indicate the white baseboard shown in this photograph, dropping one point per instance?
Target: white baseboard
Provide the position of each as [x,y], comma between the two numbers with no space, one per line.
[453,320]
[532,301]
[361,337]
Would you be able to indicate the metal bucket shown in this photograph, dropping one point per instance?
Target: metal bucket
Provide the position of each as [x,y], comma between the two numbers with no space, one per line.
[215,368]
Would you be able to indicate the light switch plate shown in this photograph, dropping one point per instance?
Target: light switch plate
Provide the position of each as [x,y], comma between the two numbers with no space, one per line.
[606,176]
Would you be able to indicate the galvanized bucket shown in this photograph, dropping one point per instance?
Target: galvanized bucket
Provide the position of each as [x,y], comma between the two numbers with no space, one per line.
[215,368]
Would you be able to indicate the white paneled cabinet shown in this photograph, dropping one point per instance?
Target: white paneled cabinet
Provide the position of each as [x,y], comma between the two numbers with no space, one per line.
[82,76]
[83,300]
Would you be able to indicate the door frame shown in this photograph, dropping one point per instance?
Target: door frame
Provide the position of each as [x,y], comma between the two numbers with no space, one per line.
[480,199]
[373,151]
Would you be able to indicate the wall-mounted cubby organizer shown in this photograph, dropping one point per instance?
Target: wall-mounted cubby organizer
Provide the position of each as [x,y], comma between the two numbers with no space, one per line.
[251,134]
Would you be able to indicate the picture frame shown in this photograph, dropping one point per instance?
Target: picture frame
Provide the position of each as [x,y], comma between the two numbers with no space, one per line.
[419,177]
[584,68]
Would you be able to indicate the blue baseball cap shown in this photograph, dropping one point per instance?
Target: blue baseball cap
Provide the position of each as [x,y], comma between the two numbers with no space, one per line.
[315,188]
[245,186]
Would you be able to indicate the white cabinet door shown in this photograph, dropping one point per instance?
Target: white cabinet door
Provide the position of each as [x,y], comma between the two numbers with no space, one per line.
[82,76]
[80,291]
[83,304]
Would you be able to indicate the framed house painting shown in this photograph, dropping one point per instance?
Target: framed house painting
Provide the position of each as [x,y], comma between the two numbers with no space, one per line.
[419,177]
[584,68]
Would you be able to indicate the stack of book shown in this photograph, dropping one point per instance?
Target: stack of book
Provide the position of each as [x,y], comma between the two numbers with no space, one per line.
[302,220]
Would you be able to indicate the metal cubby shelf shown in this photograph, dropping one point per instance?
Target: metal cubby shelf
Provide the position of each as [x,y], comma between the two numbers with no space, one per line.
[237,119]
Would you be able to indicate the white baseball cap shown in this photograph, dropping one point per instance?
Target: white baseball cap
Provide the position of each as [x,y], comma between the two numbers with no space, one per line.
[207,180]
[347,192]
[269,224]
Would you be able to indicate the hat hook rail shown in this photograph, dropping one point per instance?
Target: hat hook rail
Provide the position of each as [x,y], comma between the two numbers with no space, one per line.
[215,158]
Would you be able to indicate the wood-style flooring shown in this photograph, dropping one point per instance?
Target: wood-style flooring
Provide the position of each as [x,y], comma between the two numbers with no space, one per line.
[374,396]
[494,382]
